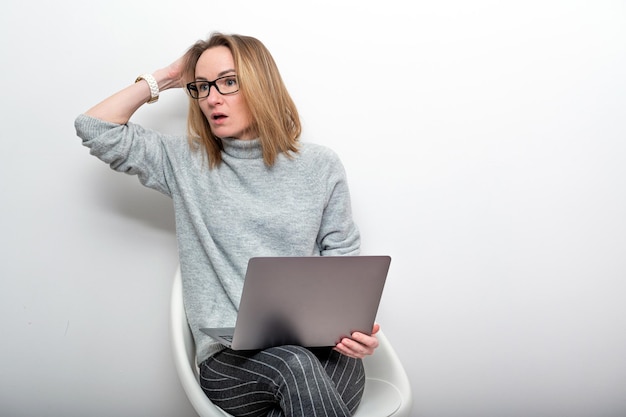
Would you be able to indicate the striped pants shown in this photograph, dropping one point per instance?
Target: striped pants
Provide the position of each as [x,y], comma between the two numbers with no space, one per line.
[284,381]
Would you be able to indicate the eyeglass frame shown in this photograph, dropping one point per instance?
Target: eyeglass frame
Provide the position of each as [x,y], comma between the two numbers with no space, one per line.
[212,83]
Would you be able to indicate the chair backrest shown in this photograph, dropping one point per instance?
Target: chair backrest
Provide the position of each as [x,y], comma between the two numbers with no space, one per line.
[387,388]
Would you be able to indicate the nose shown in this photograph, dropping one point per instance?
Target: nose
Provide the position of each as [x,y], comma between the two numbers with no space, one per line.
[214,95]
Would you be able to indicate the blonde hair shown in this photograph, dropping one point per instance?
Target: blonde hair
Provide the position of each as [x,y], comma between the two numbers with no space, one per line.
[274,115]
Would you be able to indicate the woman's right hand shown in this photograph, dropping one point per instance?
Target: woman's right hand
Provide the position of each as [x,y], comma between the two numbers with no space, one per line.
[170,76]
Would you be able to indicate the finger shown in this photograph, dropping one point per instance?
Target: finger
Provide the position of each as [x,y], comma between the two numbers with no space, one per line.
[342,350]
[370,342]
[350,348]
[359,349]
[375,329]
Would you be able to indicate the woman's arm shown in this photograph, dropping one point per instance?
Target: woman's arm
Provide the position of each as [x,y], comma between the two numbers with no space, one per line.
[119,107]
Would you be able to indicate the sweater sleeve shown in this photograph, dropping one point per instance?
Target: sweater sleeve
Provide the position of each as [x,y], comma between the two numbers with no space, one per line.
[338,234]
[127,148]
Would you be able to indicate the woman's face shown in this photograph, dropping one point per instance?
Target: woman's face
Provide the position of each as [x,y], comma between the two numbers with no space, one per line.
[228,116]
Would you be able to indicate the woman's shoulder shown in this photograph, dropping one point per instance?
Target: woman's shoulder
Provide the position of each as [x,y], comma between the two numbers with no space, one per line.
[320,160]
[318,152]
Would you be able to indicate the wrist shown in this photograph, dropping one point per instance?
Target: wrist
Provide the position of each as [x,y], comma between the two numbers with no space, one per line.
[153,84]
[164,80]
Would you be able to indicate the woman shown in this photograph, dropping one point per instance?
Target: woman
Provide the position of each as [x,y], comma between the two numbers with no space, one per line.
[242,185]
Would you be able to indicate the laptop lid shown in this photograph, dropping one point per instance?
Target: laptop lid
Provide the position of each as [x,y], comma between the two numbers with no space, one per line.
[308,301]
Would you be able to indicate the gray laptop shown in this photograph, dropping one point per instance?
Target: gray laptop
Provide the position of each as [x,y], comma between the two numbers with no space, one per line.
[308,301]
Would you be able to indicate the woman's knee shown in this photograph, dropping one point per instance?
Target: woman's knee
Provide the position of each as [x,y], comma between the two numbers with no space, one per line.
[295,360]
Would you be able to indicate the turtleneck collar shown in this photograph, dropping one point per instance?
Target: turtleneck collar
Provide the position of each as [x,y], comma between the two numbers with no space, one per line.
[243,149]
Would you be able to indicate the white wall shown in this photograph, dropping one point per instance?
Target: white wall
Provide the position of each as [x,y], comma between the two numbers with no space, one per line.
[485,145]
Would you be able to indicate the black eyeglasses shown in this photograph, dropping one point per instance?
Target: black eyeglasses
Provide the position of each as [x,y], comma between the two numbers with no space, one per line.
[224,85]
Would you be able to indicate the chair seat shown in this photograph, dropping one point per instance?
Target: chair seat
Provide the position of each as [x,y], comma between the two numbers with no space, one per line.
[380,398]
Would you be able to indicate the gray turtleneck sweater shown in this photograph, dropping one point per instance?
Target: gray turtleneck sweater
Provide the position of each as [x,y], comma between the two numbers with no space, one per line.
[228,214]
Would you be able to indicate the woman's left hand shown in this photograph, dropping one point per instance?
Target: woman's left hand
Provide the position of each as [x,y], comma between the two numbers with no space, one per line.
[359,345]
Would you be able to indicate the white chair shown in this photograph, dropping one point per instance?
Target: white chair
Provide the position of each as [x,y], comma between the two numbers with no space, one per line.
[387,390]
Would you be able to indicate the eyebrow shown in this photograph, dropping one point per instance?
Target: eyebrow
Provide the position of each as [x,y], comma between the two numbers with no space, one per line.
[221,74]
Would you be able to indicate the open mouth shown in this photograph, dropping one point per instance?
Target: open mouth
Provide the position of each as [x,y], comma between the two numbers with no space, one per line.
[218,116]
